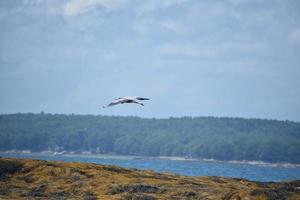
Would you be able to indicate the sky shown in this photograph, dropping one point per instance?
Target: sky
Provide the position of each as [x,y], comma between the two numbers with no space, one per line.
[229,58]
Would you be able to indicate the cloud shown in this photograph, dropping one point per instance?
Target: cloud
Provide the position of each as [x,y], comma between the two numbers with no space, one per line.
[186,51]
[151,5]
[237,2]
[76,7]
[110,56]
[211,50]
[3,14]
[6,11]
[148,25]
[33,2]
[173,26]
[295,36]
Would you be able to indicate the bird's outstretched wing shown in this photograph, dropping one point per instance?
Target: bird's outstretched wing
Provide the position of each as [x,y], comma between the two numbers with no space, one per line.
[128,99]
[142,98]
[116,102]
[132,101]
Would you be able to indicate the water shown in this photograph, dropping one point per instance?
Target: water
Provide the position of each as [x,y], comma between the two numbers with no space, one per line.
[184,167]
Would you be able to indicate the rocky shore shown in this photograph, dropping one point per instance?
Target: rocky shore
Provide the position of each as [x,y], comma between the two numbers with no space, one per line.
[38,179]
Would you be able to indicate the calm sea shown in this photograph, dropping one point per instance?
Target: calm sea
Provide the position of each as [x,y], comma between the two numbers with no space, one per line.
[253,171]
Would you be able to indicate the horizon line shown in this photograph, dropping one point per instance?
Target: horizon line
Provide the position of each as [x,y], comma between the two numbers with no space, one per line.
[170,117]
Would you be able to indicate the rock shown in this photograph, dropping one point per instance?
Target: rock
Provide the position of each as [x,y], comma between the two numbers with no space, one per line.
[36,179]
[143,188]
[137,197]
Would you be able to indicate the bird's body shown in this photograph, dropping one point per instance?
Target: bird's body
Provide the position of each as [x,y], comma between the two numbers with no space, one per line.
[127,99]
[133,98]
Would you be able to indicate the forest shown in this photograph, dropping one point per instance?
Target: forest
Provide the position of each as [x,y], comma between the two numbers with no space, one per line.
[219,138]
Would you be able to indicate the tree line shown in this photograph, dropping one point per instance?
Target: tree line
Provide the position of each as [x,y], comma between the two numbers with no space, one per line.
[193,137]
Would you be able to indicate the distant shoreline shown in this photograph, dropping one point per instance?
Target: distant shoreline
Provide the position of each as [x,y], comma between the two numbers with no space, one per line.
[138,157]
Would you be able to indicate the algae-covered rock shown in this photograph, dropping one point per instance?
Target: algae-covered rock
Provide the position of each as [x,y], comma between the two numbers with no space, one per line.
[36,179]
[9,166]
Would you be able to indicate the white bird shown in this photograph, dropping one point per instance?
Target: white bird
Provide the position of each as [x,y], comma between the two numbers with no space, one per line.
[129,99]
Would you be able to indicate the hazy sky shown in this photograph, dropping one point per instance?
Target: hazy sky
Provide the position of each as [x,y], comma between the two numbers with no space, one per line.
[237,58]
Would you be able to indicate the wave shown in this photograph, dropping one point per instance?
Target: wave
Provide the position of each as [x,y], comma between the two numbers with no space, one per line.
[265,164]
[241,162]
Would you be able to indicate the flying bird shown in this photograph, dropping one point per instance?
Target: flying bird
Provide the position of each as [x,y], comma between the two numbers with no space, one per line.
[129,99]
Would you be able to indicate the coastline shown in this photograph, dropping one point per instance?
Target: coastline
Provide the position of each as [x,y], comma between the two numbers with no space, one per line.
[40,179]
[137,157]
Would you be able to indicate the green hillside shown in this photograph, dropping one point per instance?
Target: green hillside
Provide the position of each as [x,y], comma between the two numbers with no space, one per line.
[200,137]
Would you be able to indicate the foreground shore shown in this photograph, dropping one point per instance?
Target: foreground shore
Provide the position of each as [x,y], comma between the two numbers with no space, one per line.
[36,179]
